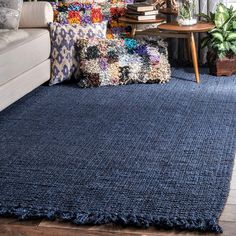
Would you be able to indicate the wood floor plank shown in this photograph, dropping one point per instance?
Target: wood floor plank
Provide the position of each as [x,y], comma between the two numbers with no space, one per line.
[233,180]
[232,197]
[229,214]
[61,225]
[233,184]
[229,228]
[23,230]
[4,221]
[118,230]
[7,220]
[48,228]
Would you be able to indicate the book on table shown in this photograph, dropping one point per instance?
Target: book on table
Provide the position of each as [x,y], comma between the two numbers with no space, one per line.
[141,13]
[139,1]
[140,7]
[141,17]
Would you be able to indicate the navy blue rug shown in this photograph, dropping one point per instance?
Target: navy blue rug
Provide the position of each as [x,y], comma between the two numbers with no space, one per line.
[141,155]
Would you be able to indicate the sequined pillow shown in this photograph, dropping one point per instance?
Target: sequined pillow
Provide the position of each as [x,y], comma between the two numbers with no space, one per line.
[64,61]
[122,61]
[10,13]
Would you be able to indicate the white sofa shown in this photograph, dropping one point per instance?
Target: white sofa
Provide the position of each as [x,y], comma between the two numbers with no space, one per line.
[24,54]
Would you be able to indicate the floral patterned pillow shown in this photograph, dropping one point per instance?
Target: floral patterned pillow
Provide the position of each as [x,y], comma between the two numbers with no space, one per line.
[122,61]
[10,13]
[64,61]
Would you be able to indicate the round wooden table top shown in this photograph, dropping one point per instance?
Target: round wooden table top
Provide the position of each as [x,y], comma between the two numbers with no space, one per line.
[133,21]
[199,27]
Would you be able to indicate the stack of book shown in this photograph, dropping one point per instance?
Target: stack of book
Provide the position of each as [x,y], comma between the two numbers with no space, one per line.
[141,11]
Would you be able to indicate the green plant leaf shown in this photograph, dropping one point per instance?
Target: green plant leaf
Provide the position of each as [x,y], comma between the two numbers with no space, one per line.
[227,46]
[222,39]
[233,48]
[205,17]
[221,8]
[227,25]
[221,55]
[225,34]
[234,24]
[221,15]
[205,41]
[218,36]
[215,30]
[231,36]
[212,16]
[222,47]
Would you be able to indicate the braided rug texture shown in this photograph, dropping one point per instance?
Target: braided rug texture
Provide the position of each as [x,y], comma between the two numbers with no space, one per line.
[141,155]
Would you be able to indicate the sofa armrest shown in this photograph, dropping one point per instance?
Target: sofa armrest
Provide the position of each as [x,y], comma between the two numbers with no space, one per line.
[36,15]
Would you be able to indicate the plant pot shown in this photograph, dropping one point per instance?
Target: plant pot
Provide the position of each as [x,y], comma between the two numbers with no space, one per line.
[187,22]
[221,67]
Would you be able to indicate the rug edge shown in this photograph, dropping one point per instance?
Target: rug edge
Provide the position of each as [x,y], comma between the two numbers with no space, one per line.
[141,221]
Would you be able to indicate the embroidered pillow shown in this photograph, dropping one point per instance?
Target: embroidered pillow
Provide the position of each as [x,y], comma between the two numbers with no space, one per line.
[118,61]
[10,13]
[64,61]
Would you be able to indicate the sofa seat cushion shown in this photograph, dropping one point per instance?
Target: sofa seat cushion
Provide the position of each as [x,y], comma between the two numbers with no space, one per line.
[21,51]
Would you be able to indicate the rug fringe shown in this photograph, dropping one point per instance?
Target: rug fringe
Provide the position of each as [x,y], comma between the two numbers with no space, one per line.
[82,218]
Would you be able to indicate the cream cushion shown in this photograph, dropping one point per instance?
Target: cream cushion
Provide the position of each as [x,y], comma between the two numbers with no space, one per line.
[36,14]
[21,51]
[23,84]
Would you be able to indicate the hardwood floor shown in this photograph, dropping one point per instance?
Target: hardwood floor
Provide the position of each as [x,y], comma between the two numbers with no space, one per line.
[12,227]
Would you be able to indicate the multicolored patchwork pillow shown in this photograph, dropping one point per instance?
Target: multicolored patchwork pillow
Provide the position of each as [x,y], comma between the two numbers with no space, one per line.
[122,61]
[64,61]
[111,11]
[77,13]
[91,11]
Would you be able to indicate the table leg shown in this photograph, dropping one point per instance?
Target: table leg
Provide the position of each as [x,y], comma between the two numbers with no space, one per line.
[194,56]
[189,51]
[134,28]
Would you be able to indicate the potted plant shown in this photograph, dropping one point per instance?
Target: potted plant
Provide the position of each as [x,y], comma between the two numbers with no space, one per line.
[186,13]
[221,41]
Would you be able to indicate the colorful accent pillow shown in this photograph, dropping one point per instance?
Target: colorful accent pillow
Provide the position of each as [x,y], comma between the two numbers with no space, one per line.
[112,10]
[10,11]
[90,11]
[77,13]
[117,61]
[64,62]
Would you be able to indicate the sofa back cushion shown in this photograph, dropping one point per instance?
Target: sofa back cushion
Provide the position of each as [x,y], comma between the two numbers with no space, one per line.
[10,12]
[36,15]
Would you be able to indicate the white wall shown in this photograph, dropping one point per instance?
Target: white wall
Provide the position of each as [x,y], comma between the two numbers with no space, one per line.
[231,2]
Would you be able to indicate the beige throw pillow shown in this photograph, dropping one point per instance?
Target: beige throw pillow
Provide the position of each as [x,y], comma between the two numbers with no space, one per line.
[10,11]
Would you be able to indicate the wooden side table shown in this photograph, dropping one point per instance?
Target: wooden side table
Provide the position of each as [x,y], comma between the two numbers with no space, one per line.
[188,33]
[134,23]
